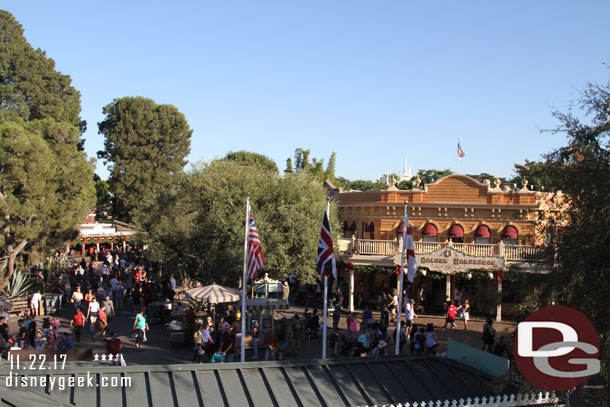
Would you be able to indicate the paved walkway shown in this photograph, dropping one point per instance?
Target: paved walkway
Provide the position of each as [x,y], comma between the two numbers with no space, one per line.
[159,351]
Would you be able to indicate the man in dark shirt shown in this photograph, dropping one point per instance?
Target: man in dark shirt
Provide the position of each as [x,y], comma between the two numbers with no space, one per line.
[3,329]
[66,342]
[227,345]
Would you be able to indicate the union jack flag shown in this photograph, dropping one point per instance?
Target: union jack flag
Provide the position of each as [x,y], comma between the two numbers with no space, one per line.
[326,254]
[256,260]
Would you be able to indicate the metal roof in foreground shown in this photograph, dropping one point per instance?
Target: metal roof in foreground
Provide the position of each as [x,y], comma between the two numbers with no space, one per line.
[336,382]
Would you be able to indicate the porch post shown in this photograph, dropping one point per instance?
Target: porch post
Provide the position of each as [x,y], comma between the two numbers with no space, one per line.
[448,286]
[499,306]
[351,289]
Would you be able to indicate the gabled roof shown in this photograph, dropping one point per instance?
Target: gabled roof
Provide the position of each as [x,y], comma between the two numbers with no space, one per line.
[334,382]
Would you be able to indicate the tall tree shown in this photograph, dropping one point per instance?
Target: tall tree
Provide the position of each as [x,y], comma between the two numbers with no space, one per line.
[46,181]
[581,274]
[145,145]
[197,222]
[30,87]
[329,173]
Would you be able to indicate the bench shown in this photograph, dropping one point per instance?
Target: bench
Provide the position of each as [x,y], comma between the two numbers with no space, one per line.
[49,355]
[19,306]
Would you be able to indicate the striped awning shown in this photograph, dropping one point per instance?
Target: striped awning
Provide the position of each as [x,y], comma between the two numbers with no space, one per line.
[254,304]
[214,294]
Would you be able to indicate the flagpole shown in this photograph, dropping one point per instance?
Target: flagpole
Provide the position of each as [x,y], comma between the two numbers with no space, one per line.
[402,274]
[243,285]
[325,293]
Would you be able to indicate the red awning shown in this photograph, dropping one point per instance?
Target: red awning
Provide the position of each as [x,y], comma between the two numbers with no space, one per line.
[456,230]
[482,231]
[510,232]
[400,227]
[429,230]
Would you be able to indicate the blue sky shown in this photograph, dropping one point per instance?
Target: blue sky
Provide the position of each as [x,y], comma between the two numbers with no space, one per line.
[371,80]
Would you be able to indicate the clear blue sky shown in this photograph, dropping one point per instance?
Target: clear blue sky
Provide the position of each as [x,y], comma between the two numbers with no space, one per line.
[370,80]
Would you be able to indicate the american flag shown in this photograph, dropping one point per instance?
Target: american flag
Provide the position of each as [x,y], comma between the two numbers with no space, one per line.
[326,254]
[460,152]
[411,262]
[256,260]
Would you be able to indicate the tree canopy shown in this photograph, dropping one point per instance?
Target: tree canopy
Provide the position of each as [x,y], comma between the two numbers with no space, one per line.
[30,87]
[315,167]
[579,248]
[253,159]
[197,222]
[145,144]
[46,181]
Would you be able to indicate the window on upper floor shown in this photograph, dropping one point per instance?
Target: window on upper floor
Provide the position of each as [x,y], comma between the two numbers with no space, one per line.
[510,235]
[482,235]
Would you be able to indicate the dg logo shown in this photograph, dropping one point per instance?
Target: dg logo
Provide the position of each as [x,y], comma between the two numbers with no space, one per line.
[557,348]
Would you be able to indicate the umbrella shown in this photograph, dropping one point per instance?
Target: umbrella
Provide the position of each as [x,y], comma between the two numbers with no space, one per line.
[5,304]
[214,294]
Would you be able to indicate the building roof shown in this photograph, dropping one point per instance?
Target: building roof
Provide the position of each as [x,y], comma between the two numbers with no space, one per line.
[336,382]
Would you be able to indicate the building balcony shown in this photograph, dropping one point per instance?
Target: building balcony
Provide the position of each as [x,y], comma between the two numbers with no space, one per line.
[383,252]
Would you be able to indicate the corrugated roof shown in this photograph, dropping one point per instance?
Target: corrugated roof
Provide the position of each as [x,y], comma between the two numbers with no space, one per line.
[337,382]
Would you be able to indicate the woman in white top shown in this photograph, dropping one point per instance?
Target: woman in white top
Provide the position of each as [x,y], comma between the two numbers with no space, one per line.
[466,313]
[94,308]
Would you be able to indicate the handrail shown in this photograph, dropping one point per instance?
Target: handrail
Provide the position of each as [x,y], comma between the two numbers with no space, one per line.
[392,247]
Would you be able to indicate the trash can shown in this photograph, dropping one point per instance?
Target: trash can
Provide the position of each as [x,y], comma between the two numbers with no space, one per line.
[52,303]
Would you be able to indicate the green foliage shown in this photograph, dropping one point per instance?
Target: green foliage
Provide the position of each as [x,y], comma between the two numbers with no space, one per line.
[30,87]
[314,168]
[539,174]
[581,274]
[145,144]
[46,183]
[485,176]
[329,173]
[17,286]
[198,220]
[361,185]
[431,176]
[253,159]
[103,205]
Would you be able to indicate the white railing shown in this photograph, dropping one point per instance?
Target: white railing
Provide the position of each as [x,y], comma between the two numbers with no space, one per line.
[523,253]
[474,249]
[391,247]
[532,399]
[377,247]
[428,247]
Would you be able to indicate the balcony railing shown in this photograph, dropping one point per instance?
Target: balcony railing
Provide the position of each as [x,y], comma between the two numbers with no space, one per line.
[391,248]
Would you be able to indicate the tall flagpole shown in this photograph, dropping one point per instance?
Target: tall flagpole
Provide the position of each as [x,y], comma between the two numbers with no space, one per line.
[402,275]
[243,284]
[325,292]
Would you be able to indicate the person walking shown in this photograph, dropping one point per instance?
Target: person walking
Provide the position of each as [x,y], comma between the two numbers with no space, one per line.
[92,312]
[465,313]
[140,326]
[77,298]
[489,335]
[78,322]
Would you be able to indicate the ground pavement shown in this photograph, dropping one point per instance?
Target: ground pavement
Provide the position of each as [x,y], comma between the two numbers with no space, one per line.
[159,351]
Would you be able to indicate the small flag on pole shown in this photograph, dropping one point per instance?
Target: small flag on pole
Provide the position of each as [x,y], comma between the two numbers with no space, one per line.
[460,152]
[256,260]
[326,255]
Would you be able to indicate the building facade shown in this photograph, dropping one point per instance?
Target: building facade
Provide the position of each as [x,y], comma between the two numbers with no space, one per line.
[460,226]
